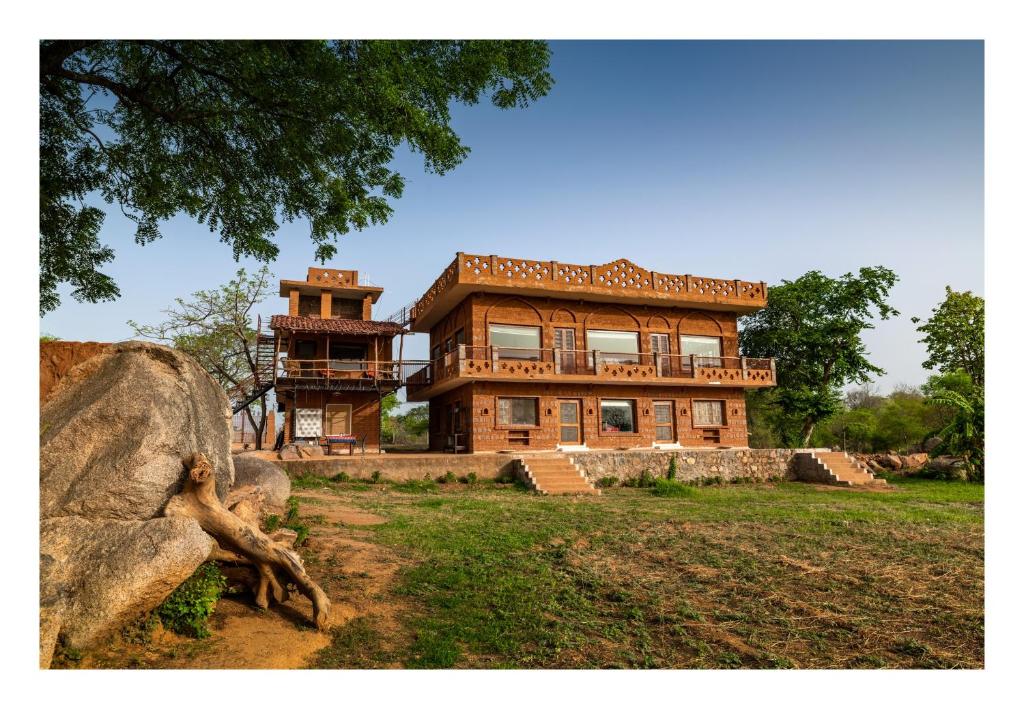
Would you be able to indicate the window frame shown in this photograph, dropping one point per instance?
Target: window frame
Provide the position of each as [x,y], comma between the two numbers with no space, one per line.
[693,414]
[600,417]
[671,424]
[615,360]
[505,426]
[718,338]
[498,348]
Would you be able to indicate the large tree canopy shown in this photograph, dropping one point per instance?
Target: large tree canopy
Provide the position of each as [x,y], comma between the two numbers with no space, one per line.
[955,335]
[243,134]
[813,326]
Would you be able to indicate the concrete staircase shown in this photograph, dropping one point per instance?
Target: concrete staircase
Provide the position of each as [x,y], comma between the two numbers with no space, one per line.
[554,475]
[834,468]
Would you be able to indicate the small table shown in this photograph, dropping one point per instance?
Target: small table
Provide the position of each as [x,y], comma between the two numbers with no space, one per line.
[350,441]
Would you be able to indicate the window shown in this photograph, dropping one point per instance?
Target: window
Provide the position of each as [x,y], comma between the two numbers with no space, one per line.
[707,350]
[709,413]
[618,416]
[517,412]
[615,346]
[515,342]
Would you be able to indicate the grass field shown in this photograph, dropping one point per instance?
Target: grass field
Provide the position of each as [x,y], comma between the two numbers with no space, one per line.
[758,576]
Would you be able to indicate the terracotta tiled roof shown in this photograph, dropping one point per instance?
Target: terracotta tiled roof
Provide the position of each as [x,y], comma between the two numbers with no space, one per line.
[334,325]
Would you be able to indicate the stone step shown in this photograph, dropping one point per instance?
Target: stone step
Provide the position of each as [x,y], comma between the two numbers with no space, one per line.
[557,475]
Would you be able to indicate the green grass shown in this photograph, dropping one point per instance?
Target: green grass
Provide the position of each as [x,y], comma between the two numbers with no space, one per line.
[784,575]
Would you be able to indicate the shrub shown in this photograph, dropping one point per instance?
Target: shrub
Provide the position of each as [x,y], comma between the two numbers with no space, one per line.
[272,522]
[375,477]
[447,478]
[292,522]
[608,481]
[341,477]
[471,479]
[673,468]
[188,608]
[672,488]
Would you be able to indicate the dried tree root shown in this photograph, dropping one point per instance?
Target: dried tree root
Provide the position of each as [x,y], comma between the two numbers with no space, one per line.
[239,538]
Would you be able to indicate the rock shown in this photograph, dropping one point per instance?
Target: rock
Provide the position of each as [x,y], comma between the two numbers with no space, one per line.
[58,358]
[931,444]
[298,451]
[890,461]
[97,575]
[117,428]
[914,461]
[946,467]
[250,469]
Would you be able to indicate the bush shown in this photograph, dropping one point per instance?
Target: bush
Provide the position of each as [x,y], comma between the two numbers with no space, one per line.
[471,479]
[375,477]
[189,607]
[448,478]
[673,468]
[608,481]
[341,477]
[672,488]
[272,523]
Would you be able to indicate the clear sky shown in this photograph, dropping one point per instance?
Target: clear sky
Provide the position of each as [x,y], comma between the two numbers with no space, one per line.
[752,160]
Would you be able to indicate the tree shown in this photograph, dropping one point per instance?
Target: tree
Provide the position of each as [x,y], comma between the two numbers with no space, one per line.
[240,134]
[964,434]
[955,335]
[216,328]
[387,425]
[813,326]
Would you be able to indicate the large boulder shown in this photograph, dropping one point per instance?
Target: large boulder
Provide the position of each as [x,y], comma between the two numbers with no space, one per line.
[96,575]
[251,469]
[117,428]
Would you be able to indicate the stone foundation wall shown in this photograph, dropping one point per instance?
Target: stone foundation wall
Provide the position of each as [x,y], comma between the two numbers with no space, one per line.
[402,467]
[728,464]
[693,464]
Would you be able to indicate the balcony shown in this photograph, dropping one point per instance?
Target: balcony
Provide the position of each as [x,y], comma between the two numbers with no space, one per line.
[344,374]
[620,281]
[509,364]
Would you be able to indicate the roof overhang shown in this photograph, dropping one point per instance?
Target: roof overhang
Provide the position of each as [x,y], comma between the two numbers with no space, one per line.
[353,292]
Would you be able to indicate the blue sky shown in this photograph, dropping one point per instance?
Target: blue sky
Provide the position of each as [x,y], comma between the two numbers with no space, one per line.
[752,160]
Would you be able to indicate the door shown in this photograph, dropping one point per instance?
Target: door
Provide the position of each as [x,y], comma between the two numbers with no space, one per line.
[339,419]
[664,422]
[569,432]
[565,343]
[659,350]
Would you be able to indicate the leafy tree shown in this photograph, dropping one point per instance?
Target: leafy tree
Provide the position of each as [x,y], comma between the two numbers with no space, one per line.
[964,434]
[242,134]
[813,326]
[387,424]
[955,335]
[216,328]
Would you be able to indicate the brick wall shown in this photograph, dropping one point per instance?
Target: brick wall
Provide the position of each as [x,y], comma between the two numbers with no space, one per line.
[478,310]
[484,433]
[365,411]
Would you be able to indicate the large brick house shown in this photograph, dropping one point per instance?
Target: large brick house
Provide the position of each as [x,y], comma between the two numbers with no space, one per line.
[332,362]
[541,355]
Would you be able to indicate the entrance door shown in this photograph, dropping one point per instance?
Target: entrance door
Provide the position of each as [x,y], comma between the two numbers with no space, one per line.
[339,419]
[565,343]
[659,349]
[664,422]
[569,432]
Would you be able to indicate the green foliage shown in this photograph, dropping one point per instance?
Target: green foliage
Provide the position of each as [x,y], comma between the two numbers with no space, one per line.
[964,435]
[672,488]
[375,477]
[673,468]
[607,481]
[645,479]
[387,424]
[447,478]
[471,478]
[140,631]
[292,521]
[242,134]
[813,326]
[48,338]
[272,523]
[189,607]
[341,477]
[955,335]
[416,486]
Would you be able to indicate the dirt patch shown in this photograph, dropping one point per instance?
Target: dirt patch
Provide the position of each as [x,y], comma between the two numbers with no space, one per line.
[313,503]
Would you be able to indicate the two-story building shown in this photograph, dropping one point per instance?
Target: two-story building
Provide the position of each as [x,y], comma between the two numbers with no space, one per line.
[332,362]
[542,355]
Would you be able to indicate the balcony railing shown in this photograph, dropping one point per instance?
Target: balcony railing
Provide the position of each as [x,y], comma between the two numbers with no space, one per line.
[551,363]
[347,371]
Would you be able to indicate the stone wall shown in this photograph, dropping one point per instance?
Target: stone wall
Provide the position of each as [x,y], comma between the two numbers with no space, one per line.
[693,464]
[57,358]
[728,464]
[401,466]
